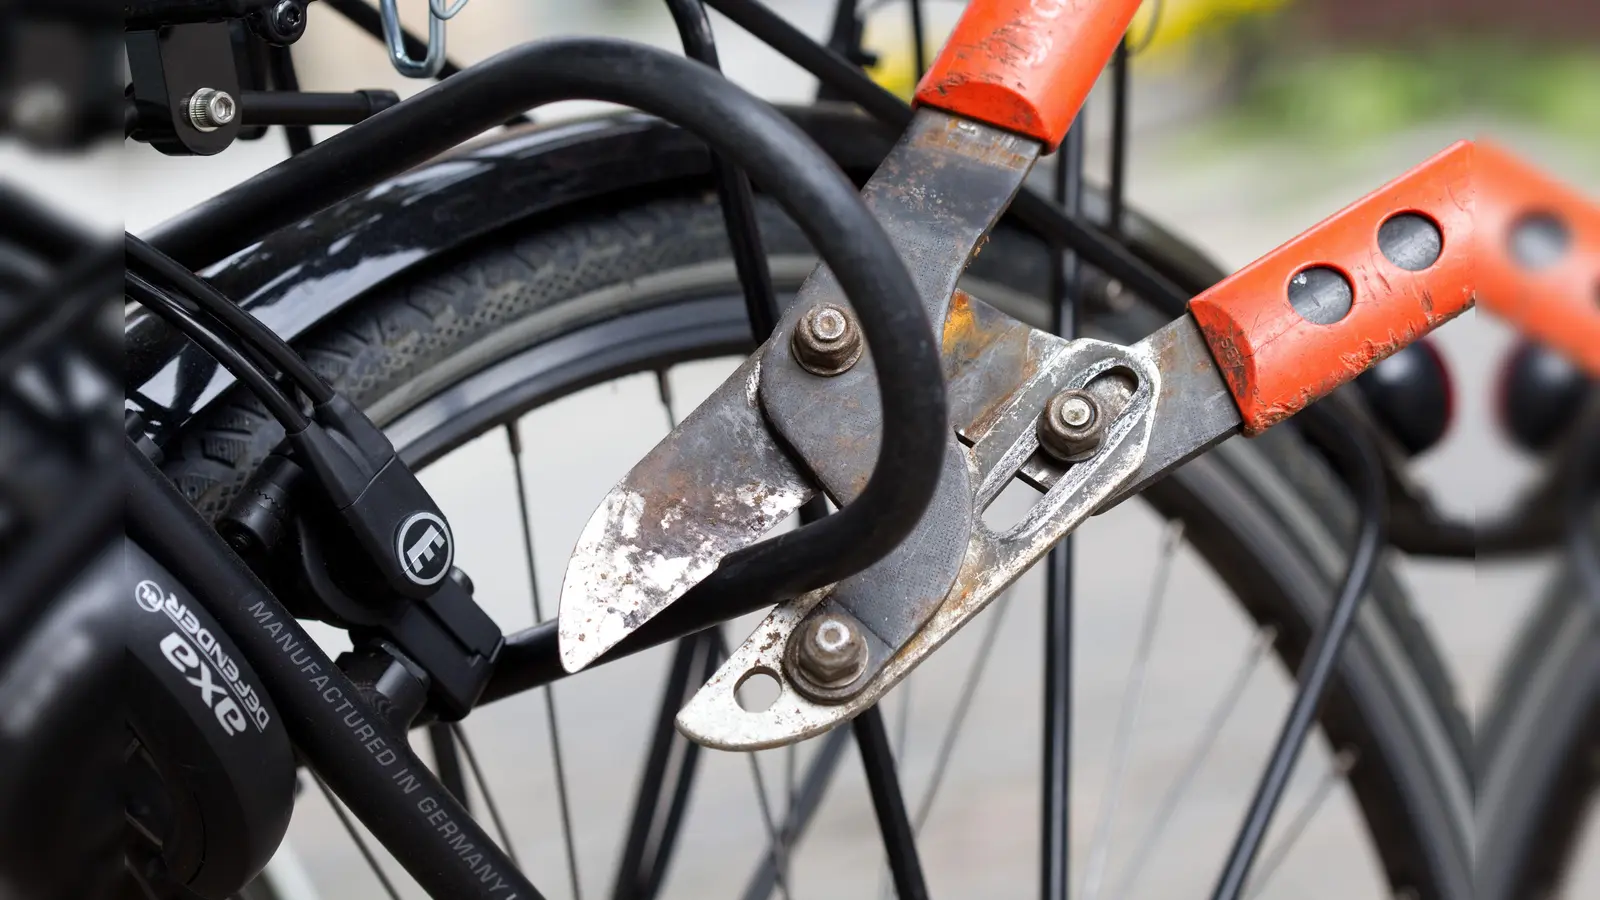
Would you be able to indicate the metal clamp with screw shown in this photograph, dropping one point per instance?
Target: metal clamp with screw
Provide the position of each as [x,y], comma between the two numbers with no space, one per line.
[827,341]
[1072,426]
[210,109]
[826,658]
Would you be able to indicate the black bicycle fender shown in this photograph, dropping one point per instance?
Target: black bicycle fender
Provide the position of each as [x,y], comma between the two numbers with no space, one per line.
[302,275]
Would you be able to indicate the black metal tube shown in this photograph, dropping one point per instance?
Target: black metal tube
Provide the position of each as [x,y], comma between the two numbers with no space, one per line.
[678,803]
[899,841]
[303,108]
[1055,831]
[733,188]
[1358,455]
[256,107]
[1030,208]
[634,871]
[919,50]
[366,762]
[1116,191]
[792,169]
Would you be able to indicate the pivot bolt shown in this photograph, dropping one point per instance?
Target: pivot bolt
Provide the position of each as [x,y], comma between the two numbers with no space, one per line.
[831,652]
[827,341]
[1072,426]
[210,109]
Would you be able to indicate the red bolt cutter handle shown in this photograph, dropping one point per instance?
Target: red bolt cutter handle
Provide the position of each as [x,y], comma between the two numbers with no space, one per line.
[1025,65]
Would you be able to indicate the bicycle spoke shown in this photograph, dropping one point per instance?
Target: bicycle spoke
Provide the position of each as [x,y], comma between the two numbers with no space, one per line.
[1342,764]
[514,441]
[808,796]
[1316,670]
[651,835]
[483,789]
[1128,716]
[902,722]
[350,827]
[1254,656]
[898,840]
[777,847]
[969,690]
[447,762]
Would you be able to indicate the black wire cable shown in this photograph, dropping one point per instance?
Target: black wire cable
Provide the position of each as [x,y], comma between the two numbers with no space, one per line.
[231,315]
[279,405]
[1356,452]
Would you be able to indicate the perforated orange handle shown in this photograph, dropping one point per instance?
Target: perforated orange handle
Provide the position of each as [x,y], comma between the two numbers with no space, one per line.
[1551,290]
[1025,65]
[1277,360]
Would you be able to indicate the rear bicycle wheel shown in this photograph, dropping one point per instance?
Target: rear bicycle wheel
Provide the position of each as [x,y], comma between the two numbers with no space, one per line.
[445,355]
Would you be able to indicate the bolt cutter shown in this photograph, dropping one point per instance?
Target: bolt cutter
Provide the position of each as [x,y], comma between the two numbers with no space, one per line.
[1086,422]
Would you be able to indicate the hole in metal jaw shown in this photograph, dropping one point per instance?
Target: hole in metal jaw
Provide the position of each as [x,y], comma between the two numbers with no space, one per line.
[1539,240]
[757,690]
[1321,295]
[1411,241]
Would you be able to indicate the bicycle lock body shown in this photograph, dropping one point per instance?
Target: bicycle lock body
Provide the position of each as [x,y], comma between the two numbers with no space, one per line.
[749,133]
[339,726]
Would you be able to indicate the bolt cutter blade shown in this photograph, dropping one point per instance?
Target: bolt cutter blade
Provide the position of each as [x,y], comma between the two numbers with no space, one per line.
[716,484]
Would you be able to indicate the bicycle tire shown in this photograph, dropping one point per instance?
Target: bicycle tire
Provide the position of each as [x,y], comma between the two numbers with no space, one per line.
[1266,514]
[1537,769]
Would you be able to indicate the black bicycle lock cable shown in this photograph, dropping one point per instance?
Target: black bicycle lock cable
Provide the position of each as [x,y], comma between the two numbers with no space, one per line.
[230,314]
[367,762]
[248,371]
[753,136]
[1340,426]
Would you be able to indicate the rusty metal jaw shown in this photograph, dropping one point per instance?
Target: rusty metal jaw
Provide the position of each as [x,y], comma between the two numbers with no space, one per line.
[994,450]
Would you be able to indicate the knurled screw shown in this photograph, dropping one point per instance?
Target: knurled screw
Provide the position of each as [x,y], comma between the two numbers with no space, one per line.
[1072,426]
[827,341]
[210,109]
[832,653]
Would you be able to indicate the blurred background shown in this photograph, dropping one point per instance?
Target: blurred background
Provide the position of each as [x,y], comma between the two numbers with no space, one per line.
[1251,120]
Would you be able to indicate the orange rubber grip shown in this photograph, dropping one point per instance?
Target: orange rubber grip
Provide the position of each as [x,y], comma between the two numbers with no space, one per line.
[1025,65]
[1276,360]
[1555,301]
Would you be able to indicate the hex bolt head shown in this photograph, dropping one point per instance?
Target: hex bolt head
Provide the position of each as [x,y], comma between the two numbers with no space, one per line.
[827,340]
[831,653]
[210,109]
[1072,426]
